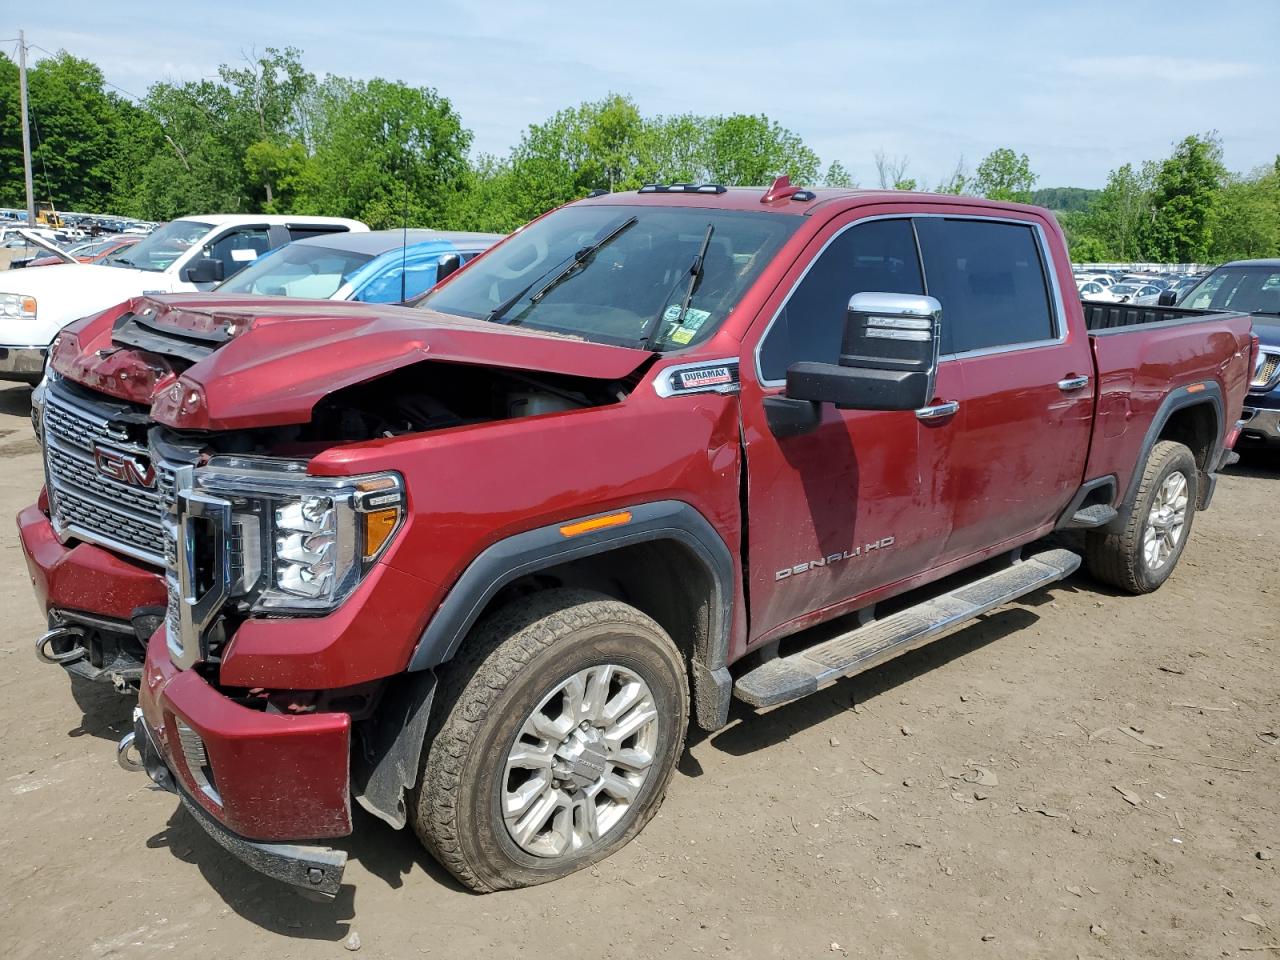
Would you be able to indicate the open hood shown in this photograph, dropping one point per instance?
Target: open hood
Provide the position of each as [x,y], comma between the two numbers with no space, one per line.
[224,363]
[38,241]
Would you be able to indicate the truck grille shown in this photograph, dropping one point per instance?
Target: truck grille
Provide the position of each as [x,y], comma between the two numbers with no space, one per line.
[87,501]
[1268,367]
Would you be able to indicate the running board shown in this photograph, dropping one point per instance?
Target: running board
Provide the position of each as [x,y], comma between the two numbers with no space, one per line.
[784,679]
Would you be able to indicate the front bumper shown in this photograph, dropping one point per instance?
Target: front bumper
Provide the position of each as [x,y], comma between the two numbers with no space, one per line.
[317,869]
[1260,423]
[255,777]
[113,603]
[24,364]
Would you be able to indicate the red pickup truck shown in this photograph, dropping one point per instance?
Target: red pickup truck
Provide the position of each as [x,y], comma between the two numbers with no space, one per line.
[475,564]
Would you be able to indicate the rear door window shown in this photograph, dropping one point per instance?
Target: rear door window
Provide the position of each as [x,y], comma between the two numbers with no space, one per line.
[878,256]
[991,280]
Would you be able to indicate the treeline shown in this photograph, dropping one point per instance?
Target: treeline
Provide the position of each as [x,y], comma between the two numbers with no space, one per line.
[269,136]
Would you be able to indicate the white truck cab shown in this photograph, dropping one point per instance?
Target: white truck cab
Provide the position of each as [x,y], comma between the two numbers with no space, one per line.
[186,255]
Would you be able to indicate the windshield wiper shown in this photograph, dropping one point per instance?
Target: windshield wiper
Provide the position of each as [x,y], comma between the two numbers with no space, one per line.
[125,260]
[579,258]
[695,277]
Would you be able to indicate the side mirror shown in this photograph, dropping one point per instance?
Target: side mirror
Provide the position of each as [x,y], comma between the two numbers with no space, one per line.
[203,270]
[447,264]
[1168,298]
[888,357]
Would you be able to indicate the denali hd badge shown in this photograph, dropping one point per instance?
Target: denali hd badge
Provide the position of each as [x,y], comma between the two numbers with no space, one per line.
[124,468]
[882,544]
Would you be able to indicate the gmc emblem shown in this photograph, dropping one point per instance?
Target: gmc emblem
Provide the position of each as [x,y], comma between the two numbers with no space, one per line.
[124,468]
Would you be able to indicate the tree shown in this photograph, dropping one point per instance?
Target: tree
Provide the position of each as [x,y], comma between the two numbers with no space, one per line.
[838,176]
[892,172]
[75,125]
[1248,217]
[1119,217]
[1005,175]
[271,96]
[1186,200]
[384,151]
[957,182]
[750,150]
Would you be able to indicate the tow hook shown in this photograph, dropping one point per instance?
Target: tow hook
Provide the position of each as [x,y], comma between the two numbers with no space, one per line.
[127,755]
[44,645]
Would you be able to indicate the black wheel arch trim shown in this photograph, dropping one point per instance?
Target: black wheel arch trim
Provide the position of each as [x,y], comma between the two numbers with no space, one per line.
[545,547]
[1209,394]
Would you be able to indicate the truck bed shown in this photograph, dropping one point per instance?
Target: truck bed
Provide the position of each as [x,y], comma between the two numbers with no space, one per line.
[1148,356]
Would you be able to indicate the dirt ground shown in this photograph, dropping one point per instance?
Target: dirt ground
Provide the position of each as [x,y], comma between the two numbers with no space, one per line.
[1080,775]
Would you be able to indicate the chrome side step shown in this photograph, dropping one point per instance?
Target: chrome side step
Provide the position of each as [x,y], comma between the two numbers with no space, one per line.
[789,678]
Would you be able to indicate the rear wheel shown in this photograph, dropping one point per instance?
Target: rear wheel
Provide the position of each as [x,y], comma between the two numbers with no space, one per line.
[560,726]
[1142,556]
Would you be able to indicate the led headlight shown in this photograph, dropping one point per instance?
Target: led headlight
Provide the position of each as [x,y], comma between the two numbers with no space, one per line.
[17,305]
[299,542]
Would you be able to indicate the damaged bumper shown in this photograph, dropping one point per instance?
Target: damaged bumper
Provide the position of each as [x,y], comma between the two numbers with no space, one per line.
[253,780]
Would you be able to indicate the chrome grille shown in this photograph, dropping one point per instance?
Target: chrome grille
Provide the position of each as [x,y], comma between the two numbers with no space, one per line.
[1268,367]
[86,503]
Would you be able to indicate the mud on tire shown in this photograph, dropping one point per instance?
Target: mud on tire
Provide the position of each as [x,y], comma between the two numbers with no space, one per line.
[515,660]
[1126,559]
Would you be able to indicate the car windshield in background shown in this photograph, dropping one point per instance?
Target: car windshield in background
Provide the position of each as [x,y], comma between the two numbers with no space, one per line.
[1123,289]
[297,270]
[161,247]
[1239,289]
[620,274]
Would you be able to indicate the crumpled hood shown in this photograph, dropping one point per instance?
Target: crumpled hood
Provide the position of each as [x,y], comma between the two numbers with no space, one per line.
[267,361]
[1267,328]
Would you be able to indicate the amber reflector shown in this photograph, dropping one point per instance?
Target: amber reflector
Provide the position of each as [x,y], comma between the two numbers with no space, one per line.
[595,523]
[378,527]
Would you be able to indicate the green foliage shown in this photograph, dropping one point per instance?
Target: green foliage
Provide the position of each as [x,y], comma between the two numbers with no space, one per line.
[1185,198]
[1005,175]
[1064,199]
[382,150]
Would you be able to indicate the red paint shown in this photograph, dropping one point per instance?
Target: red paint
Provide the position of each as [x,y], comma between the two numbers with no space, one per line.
[84,577]
[886,502]
[278,776]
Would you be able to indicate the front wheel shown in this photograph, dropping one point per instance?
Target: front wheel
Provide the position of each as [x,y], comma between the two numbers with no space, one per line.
[560,726]
[1142,556]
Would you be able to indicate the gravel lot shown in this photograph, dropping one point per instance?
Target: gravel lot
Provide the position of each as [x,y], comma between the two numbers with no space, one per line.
[1082,774]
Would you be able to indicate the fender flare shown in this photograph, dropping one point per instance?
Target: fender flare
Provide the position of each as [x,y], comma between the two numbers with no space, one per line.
[545,547]
[1178,399]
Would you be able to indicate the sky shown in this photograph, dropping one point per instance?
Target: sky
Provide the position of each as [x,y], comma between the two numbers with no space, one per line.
[1081,87]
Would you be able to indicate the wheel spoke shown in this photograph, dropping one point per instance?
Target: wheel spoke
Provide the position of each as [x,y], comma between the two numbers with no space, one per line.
[637,761]
[598,681]
[528,757]
[528,826]
[618,787]
[586,823]
[548,729]
[632,723]
[626,698]
[575,693]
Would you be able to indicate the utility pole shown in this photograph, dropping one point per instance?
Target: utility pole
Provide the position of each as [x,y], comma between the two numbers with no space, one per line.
[26,131]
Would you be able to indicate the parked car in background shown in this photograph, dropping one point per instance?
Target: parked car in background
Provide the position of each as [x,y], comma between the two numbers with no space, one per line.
[1253,287]
[474,565]
[89,251]
[1092,290]
[383,266]
[186,255]
[1105,279]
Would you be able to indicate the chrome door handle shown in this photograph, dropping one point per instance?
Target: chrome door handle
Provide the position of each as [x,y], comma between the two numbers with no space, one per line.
[1073,383]
[938,411]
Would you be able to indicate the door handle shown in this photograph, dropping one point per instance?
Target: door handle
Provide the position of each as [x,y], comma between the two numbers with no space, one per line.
[1073,383]
[938,410]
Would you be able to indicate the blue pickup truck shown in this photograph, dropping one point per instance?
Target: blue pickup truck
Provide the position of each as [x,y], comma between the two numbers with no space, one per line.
[1251,286]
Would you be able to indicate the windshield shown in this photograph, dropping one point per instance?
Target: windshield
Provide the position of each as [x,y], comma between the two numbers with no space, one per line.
[632,285]
[1123,289]
[1241,289]
[161,247]
[297,270]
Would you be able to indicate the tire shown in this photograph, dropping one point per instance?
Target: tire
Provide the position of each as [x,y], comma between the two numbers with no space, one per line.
[516,664]
[1124,560]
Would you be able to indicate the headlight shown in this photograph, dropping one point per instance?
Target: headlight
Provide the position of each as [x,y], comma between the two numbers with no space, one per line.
[17,305]
[299,542]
